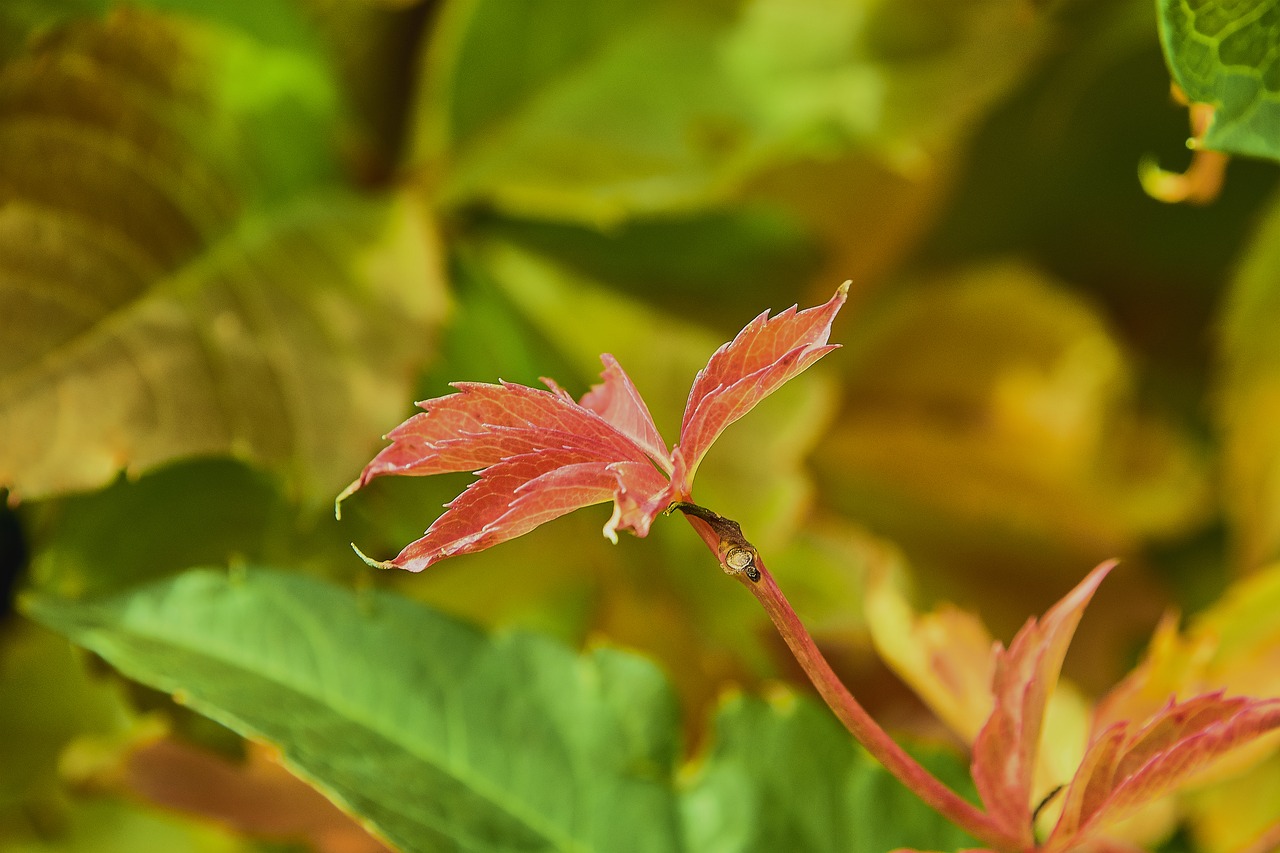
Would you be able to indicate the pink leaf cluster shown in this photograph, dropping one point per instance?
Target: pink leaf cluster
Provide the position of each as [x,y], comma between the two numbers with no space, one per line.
[1127,764]
[1006,749]
[540,454]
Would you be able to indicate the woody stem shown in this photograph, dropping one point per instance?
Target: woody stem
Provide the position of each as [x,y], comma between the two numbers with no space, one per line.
[929,788]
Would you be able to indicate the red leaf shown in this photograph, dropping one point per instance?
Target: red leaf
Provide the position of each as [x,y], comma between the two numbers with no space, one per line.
[540,454]
[764,355]
[517,494]
[1128,766]
[618,402]
[484,424]
[1005,751]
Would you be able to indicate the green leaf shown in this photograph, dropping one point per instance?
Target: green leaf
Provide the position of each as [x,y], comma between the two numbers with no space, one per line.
[439,736]
[21,19]
[1248,402]
[786,776]
[653,106]
[442,737]
[1223,54]
[374,45]
[199,513]
[682,262]
[182,269]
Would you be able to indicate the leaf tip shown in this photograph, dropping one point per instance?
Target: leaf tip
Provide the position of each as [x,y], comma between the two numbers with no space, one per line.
[356,485]
[369,561]
[1095,577]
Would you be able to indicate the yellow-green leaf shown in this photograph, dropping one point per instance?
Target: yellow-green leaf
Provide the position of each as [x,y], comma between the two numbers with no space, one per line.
[182,270]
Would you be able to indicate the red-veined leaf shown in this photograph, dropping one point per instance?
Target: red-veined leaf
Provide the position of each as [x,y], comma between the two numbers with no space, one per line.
[763,356]
[1128,766]
[483,424]
[540,454]
[517,494]
[1004,753]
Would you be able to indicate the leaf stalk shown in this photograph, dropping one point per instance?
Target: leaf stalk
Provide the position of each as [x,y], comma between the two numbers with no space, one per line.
[719,534]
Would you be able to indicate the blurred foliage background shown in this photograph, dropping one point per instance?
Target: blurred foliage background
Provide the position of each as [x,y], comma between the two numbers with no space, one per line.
[237,239]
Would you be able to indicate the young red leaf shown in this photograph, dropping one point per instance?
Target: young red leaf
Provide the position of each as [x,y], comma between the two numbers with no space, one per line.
[1005,751]
[618,402]
[484,424]
[764,355]
[540,454]
[1128,766]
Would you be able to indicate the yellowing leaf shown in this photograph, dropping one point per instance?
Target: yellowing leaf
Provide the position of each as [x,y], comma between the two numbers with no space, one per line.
[182,271]
[1248,399]
[1230,815]
[945,655]
[994,407]
[1234,646]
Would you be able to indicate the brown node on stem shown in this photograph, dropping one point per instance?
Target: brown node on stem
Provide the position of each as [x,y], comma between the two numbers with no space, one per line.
[737,555]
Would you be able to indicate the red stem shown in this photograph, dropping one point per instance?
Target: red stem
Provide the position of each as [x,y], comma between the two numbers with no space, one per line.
[929,788]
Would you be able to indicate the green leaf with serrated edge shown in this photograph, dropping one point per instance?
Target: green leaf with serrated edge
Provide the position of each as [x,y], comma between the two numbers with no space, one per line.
[184,273]
[1223,54]
[785,776]
[655,106]
[439,736]
[1248,399]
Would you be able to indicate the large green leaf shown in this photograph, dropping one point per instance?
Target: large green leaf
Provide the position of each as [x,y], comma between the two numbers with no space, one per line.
[445,738]
[1223,54]
[442,738]
[1248,401]
[785,776]
[652,106]
[181,269]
